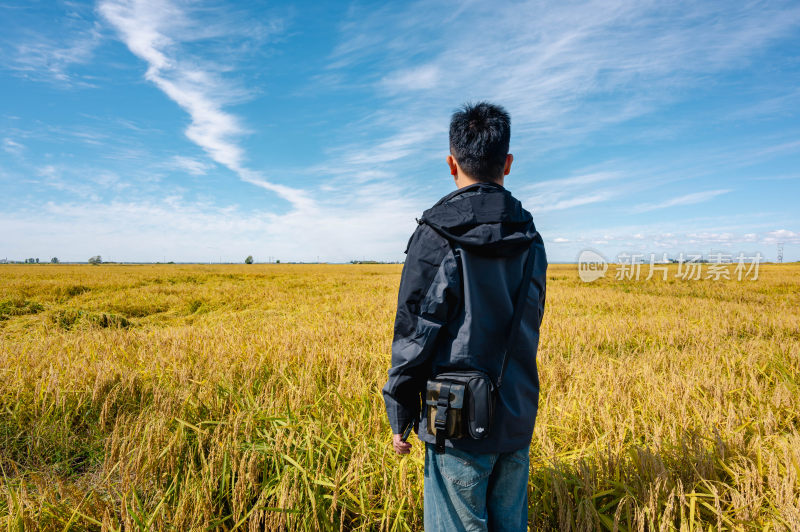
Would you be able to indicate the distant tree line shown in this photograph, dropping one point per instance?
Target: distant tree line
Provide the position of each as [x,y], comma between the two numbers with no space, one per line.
[250,260]
[31,260]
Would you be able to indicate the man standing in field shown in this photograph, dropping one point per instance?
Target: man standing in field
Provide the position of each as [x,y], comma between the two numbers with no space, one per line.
[466,269]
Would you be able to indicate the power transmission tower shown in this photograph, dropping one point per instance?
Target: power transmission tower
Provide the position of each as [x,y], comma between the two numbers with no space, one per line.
[780,252]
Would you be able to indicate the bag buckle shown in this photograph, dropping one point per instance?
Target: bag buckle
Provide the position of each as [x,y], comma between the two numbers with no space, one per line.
[440,422]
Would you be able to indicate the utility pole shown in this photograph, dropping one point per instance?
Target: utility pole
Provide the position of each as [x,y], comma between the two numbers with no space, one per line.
[780,252]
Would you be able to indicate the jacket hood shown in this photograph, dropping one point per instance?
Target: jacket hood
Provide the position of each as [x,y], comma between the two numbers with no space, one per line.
[484,218]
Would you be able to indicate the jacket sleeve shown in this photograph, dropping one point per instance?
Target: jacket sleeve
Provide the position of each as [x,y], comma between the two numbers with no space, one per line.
[427,296]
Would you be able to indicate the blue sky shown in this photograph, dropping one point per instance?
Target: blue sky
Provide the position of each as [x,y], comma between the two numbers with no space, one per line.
[151,130]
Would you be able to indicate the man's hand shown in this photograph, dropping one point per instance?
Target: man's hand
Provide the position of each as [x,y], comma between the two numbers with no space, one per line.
[400,446]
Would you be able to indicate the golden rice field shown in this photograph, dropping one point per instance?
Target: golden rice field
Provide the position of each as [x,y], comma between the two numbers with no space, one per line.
[173,397]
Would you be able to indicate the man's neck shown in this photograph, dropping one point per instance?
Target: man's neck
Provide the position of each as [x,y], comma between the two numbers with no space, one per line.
[465,181]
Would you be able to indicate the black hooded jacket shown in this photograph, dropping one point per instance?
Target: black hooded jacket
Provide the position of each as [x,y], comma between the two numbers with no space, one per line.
[463,269]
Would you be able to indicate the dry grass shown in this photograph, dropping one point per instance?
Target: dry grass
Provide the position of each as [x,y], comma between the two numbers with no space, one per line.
[194,397]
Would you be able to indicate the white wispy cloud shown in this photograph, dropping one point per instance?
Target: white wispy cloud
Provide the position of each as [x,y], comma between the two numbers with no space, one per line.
[686,199]
[154,30]
[43,58]
[424,77]
[783,235]
[784,103]
[576,201]
[53,177]
[50,54]
[189,165]
[11,146]
[569,192]
[563,70]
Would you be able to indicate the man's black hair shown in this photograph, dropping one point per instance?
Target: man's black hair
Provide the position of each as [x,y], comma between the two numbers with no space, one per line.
[479,137]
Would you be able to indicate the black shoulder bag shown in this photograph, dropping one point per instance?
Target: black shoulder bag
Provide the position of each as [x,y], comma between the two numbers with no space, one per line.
[460,404]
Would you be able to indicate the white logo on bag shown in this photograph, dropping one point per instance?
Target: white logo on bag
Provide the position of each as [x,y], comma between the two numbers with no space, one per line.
[479,430]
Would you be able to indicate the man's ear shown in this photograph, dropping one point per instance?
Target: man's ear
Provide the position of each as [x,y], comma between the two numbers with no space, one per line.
[451,162]
[509,160]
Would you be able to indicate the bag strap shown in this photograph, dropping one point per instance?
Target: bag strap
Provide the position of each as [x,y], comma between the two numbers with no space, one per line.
[519,309]
[440,421]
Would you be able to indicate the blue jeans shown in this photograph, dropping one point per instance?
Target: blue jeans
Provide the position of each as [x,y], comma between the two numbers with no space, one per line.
[470,491]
